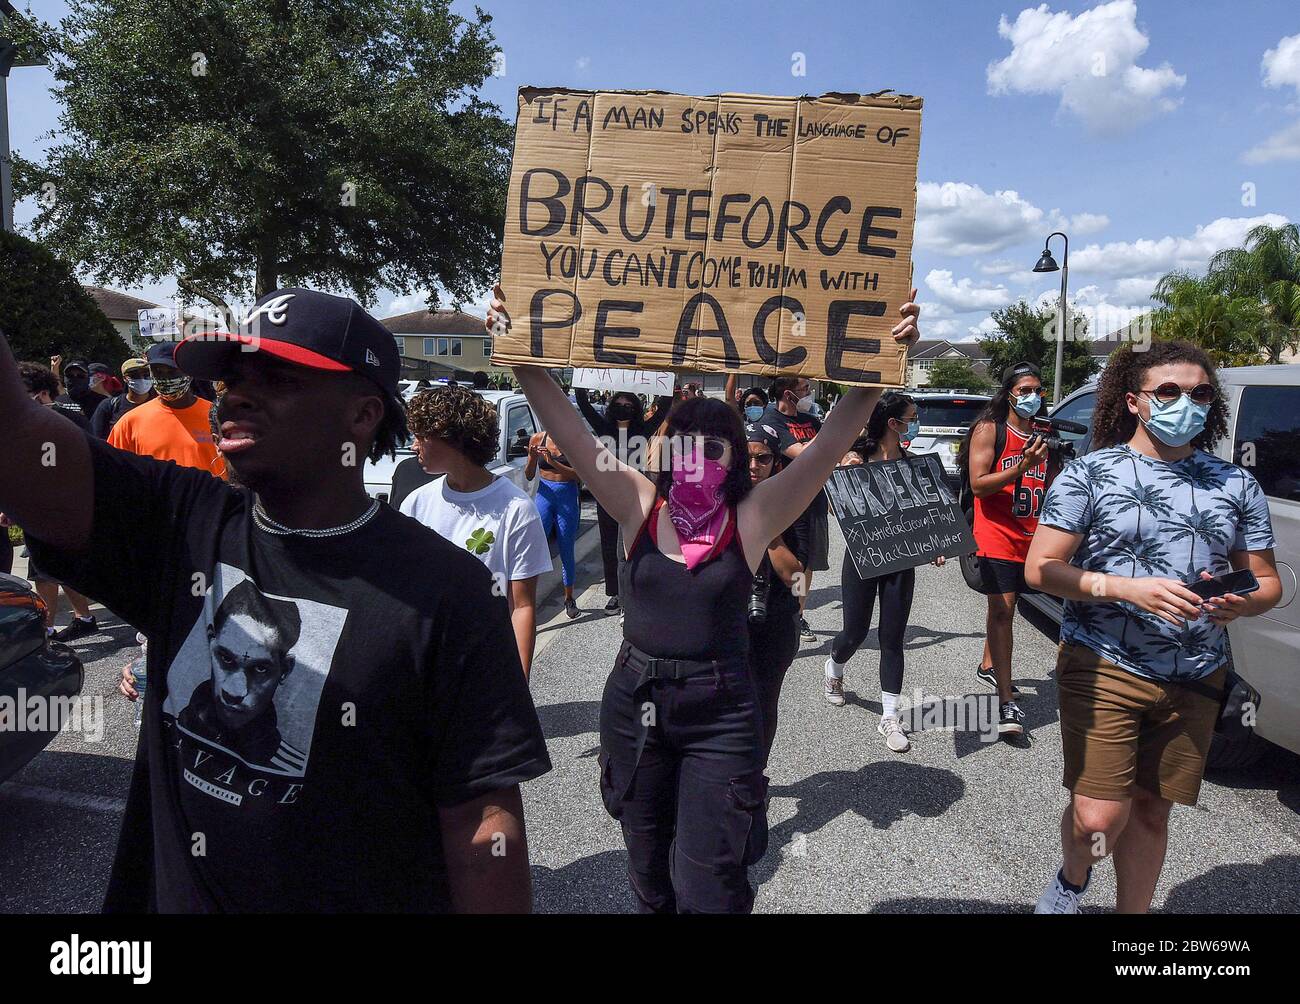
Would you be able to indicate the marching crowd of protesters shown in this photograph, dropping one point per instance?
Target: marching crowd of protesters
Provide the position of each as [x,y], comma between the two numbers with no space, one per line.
[201,497]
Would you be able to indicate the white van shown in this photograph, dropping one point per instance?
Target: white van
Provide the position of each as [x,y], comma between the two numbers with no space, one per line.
[1264,437]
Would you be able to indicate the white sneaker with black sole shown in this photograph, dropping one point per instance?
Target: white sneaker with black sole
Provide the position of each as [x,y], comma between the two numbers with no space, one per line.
[1056,898]
[895,738]
[833,688]
[1011,721]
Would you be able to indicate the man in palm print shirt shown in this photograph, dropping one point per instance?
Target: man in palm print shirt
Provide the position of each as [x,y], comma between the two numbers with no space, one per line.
[1143,659]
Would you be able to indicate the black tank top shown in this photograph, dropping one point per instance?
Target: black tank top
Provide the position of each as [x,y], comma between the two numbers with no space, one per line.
[670,612]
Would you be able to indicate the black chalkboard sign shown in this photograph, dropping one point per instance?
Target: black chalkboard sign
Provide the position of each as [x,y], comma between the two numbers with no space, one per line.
[897,514]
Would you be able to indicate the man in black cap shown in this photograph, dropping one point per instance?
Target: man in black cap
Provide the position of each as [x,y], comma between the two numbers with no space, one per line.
[406,722]
[76,378]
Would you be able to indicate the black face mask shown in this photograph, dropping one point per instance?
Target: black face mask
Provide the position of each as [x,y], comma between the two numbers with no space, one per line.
[622,412]
[77,385]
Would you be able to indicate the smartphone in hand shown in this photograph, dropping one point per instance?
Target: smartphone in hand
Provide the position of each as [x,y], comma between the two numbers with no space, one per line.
[1239,582]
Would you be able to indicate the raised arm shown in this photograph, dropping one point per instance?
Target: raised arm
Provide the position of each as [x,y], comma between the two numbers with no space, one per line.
[595,419]
[777,502]
[625,493]
[45,473]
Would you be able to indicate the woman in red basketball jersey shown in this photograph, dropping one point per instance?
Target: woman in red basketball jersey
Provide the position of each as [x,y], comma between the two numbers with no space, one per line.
[1008,471]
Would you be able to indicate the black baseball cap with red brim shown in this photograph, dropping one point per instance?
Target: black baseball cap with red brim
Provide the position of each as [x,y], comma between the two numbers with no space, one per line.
[301,326]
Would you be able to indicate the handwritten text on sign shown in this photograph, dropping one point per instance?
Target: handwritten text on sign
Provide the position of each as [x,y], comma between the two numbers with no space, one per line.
[652,382]
[897,514]
[731,233]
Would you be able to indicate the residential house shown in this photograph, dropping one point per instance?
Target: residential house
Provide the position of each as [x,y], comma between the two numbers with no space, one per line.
[122,310]
[441,343]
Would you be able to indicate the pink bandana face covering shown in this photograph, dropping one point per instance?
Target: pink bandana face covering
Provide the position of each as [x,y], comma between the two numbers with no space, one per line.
[695,504]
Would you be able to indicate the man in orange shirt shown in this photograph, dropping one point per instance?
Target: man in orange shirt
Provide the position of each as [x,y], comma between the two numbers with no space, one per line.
[174,426]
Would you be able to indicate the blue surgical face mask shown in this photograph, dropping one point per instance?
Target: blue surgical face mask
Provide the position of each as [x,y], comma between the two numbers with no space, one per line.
[913,430]
[1027,405]
[754,412]
[1177,423]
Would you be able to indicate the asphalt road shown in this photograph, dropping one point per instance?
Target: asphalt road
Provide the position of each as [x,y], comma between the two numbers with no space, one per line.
[955,825]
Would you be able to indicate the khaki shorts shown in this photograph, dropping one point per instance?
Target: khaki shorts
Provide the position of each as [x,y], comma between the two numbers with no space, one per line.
[1119,729]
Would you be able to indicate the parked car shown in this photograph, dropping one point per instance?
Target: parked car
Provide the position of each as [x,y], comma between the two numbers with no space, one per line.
[517,424]
[945,416]
[31,665]
[1264,437]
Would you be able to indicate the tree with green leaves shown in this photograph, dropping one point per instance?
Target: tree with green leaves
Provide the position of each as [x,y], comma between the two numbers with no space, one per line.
[1026,334]
[959,374]
[1245,310]
[242,145]
[44,311]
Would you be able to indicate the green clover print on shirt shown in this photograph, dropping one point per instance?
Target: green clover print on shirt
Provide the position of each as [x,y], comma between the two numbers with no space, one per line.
[480,541]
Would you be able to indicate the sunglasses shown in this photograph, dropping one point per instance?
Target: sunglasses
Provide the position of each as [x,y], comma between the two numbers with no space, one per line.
[1168,393]
[762,459]
[712,447]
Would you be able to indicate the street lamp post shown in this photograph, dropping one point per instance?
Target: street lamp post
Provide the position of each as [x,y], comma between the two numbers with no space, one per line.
[1047,263]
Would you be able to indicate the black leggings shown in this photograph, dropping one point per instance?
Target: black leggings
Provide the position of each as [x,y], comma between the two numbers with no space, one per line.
[859,598]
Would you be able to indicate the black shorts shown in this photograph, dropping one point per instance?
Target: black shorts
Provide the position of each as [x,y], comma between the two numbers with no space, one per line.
[998,575]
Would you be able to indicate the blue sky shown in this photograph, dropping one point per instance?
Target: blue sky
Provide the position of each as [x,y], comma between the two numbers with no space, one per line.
[1152,131]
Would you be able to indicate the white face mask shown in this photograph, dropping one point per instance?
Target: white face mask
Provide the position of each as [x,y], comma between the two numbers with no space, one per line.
[140,385]
[805,404]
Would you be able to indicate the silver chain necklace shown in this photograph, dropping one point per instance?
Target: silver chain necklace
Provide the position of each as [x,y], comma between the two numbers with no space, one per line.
[265,522]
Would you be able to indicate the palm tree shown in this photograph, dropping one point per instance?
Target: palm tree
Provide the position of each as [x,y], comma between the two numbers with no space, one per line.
[1148,553]
[1227,327]
[1198,526]
[1140,497]
[1267,270]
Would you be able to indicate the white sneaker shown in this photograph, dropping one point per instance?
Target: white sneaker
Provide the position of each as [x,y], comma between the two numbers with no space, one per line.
[833,690]
[895,737]
[1058,899]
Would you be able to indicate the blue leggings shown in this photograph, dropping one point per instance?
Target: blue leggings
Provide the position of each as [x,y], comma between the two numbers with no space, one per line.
[557,502]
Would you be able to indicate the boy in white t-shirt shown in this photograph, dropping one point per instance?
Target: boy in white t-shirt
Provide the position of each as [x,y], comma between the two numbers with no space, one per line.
[456,435]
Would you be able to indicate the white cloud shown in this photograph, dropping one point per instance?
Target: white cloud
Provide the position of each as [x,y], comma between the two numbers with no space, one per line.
[945,328]
[999,266]
[1151,257]
[984,328]
[1090,61]
[963,295]
[405,304]
[1088,223]
[1281,66]
[956,218]
[1282,145]
[1136,287]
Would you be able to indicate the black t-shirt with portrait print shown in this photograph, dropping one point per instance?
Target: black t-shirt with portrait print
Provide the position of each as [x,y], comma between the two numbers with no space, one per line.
[797,430]
[311,702]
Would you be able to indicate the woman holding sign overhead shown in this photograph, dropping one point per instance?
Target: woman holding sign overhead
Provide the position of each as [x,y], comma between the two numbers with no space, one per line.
[681,729]
[893,421]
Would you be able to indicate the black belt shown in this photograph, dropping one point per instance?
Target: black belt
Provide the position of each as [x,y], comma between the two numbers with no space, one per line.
[650,668]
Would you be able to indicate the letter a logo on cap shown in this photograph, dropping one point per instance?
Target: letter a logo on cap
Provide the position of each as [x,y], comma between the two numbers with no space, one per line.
[371,358]
[274,310]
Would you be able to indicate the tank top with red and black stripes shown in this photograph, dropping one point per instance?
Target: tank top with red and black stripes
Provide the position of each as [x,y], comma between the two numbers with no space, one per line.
[1006,520]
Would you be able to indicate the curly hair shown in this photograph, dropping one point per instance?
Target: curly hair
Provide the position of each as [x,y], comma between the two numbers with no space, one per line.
[458,416]
[36,377]
[704,416]
[1113,423]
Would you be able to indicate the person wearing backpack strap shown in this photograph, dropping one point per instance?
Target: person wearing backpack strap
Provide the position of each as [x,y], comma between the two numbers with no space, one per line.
[1006,469]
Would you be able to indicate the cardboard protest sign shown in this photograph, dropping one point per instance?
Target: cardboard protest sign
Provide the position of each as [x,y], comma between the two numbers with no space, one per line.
[729,233]
[897,514]
[656,383]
